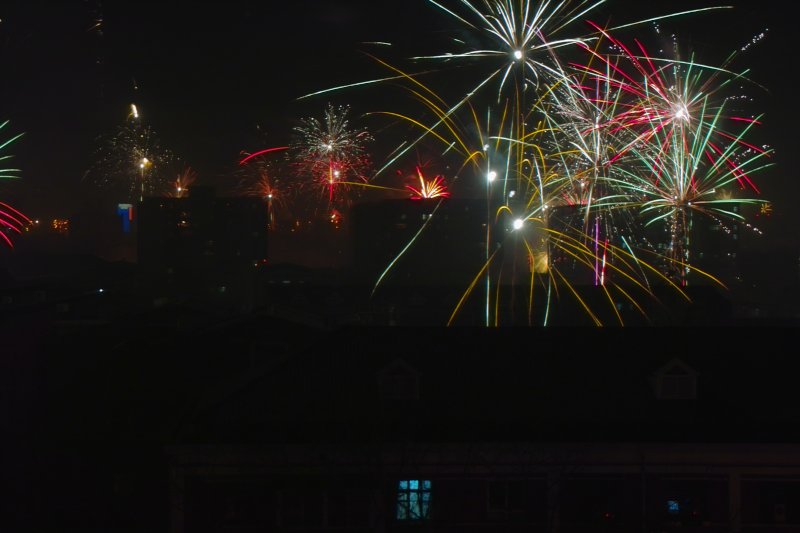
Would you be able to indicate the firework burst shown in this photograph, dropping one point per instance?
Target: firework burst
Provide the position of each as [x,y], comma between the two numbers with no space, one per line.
[667,97]
[686,174]
[521,37]
[259,177]
[429,188]
[180,186]
[132,162]
[575,159]
[671,146]
[331,156]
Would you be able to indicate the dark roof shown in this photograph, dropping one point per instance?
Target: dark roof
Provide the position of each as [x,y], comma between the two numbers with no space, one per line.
[514,384]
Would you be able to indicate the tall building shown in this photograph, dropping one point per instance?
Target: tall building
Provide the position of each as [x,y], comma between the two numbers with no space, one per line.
[420,256]
[202,234]
[428,242]
[712,246]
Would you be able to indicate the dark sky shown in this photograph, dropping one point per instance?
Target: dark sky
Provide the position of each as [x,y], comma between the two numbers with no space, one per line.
[206,77]
[217,79]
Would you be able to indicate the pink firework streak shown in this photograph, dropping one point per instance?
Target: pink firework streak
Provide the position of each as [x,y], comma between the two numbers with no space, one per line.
[262,152]
[12,219]
[666,97]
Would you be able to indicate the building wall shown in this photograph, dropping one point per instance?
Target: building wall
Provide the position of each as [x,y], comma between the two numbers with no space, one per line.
[492,487]
[201,234]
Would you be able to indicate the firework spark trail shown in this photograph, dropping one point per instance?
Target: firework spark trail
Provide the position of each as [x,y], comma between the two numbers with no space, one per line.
[587,155]
[521,56]
[510,148]
[623,137]
[262,152]
[529,175]
[8,173]
[180,187]
[11,219]
[668,151]
[408,246]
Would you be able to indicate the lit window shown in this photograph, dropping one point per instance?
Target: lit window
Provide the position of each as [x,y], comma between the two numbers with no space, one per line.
[413,499]
[673,507]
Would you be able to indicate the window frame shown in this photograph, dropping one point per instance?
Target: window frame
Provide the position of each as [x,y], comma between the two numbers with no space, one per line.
[413,500]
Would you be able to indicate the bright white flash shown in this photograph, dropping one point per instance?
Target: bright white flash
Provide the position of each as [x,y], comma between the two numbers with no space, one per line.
[681,113]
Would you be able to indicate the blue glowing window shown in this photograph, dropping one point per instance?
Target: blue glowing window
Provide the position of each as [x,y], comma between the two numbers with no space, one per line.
[413,499]
[673,507]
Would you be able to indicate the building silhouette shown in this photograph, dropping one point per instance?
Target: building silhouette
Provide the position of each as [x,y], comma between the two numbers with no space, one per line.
[432,242]
[201,234]
[507,431]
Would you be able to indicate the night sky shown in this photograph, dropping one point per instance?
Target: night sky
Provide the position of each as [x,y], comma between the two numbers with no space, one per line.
[217,79]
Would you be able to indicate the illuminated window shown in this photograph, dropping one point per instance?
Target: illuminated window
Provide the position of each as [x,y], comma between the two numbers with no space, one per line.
[673,507]
[413,499]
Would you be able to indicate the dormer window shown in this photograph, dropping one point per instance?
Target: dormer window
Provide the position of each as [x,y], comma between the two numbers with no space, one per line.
[398,381]
[676,381]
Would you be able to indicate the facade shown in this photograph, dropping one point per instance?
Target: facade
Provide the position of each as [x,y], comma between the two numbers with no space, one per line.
[457,431]
[204,247]
[712,245]
[449,241]
[500,486]
[202,236]
[424,258]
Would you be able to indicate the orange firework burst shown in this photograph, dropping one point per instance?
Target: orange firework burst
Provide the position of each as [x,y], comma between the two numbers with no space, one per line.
[180,187]
[434,188]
